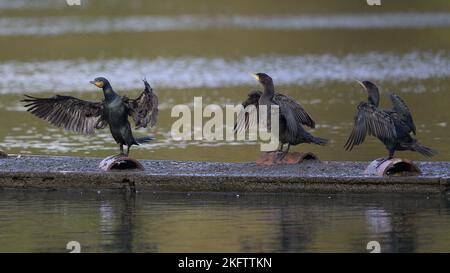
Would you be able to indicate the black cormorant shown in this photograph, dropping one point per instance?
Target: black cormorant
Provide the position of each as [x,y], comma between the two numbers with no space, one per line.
[84,117]
[292,115]
[394,127]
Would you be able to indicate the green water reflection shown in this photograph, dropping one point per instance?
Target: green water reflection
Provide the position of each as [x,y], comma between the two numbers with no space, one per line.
[162,222]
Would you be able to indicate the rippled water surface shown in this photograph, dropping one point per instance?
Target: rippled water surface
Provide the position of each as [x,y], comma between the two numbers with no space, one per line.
[194,222]
[67,24]
[314,50]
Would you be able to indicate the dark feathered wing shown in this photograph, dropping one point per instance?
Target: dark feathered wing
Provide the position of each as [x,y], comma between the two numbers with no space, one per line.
[400,107]
[370,120]
[293,113]
[68,112]
[291,110]
[249,116]
[144,109]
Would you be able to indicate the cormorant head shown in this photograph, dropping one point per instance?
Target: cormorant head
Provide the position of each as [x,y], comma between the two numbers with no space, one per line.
[263,79]
[372,89]
[100,82]
[367,85]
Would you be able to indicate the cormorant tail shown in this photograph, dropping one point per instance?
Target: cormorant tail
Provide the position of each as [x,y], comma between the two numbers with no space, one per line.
[318,140]
[423,149]
[142,140]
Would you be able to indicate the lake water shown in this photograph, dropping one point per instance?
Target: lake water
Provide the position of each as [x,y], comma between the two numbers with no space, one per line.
[212,222]
[314,50]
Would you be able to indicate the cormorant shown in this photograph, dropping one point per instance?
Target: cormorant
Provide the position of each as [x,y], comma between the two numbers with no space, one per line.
[394,127]
[292,115]
[84,117]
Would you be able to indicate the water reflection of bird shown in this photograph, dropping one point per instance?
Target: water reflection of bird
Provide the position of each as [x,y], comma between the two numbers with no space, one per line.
[394,127]
[84,116]
[292,115]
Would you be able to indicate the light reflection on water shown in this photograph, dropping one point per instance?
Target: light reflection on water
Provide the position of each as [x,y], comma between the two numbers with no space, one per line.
[32,4]
[197,72]
[194,222]
[70,24]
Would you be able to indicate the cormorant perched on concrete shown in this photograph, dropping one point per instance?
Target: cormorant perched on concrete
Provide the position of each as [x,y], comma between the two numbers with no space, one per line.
[84,117]
[394,127]
[292,115]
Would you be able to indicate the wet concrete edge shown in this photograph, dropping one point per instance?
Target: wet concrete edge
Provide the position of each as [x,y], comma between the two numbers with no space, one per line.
[225,181]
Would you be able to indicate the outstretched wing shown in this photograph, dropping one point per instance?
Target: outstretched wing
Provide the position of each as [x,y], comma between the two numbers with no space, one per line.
[292,109]
[370,120]
[68,112]
[249,115]
[144,109]
[400,107]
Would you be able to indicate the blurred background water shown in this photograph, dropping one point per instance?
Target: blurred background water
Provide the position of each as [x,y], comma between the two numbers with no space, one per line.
[313,49]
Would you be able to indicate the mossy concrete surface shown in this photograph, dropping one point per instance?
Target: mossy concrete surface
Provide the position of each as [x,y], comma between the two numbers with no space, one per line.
[164,175]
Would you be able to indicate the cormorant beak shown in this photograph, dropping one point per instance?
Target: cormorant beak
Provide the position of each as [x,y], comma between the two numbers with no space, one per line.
[362,84]
[99,84]
[255,76]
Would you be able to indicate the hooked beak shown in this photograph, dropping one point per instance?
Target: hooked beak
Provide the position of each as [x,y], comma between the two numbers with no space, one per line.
[99,84]
[255,76]
[362,84]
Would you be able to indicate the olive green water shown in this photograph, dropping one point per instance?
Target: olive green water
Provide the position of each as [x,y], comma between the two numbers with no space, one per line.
[206,49]
[204,222]
[330,97]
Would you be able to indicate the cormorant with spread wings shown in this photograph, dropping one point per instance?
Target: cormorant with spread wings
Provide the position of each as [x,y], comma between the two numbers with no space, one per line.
[394,127]
[291,116]
[84,117]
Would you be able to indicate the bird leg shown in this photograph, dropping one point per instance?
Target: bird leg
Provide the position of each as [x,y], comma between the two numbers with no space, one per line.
[279,151]
[121,149]
[282,153]
[128,150]
[384,159]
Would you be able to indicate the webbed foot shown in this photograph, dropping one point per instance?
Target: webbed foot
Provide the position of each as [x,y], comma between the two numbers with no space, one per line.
[382,160]
[281,155]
